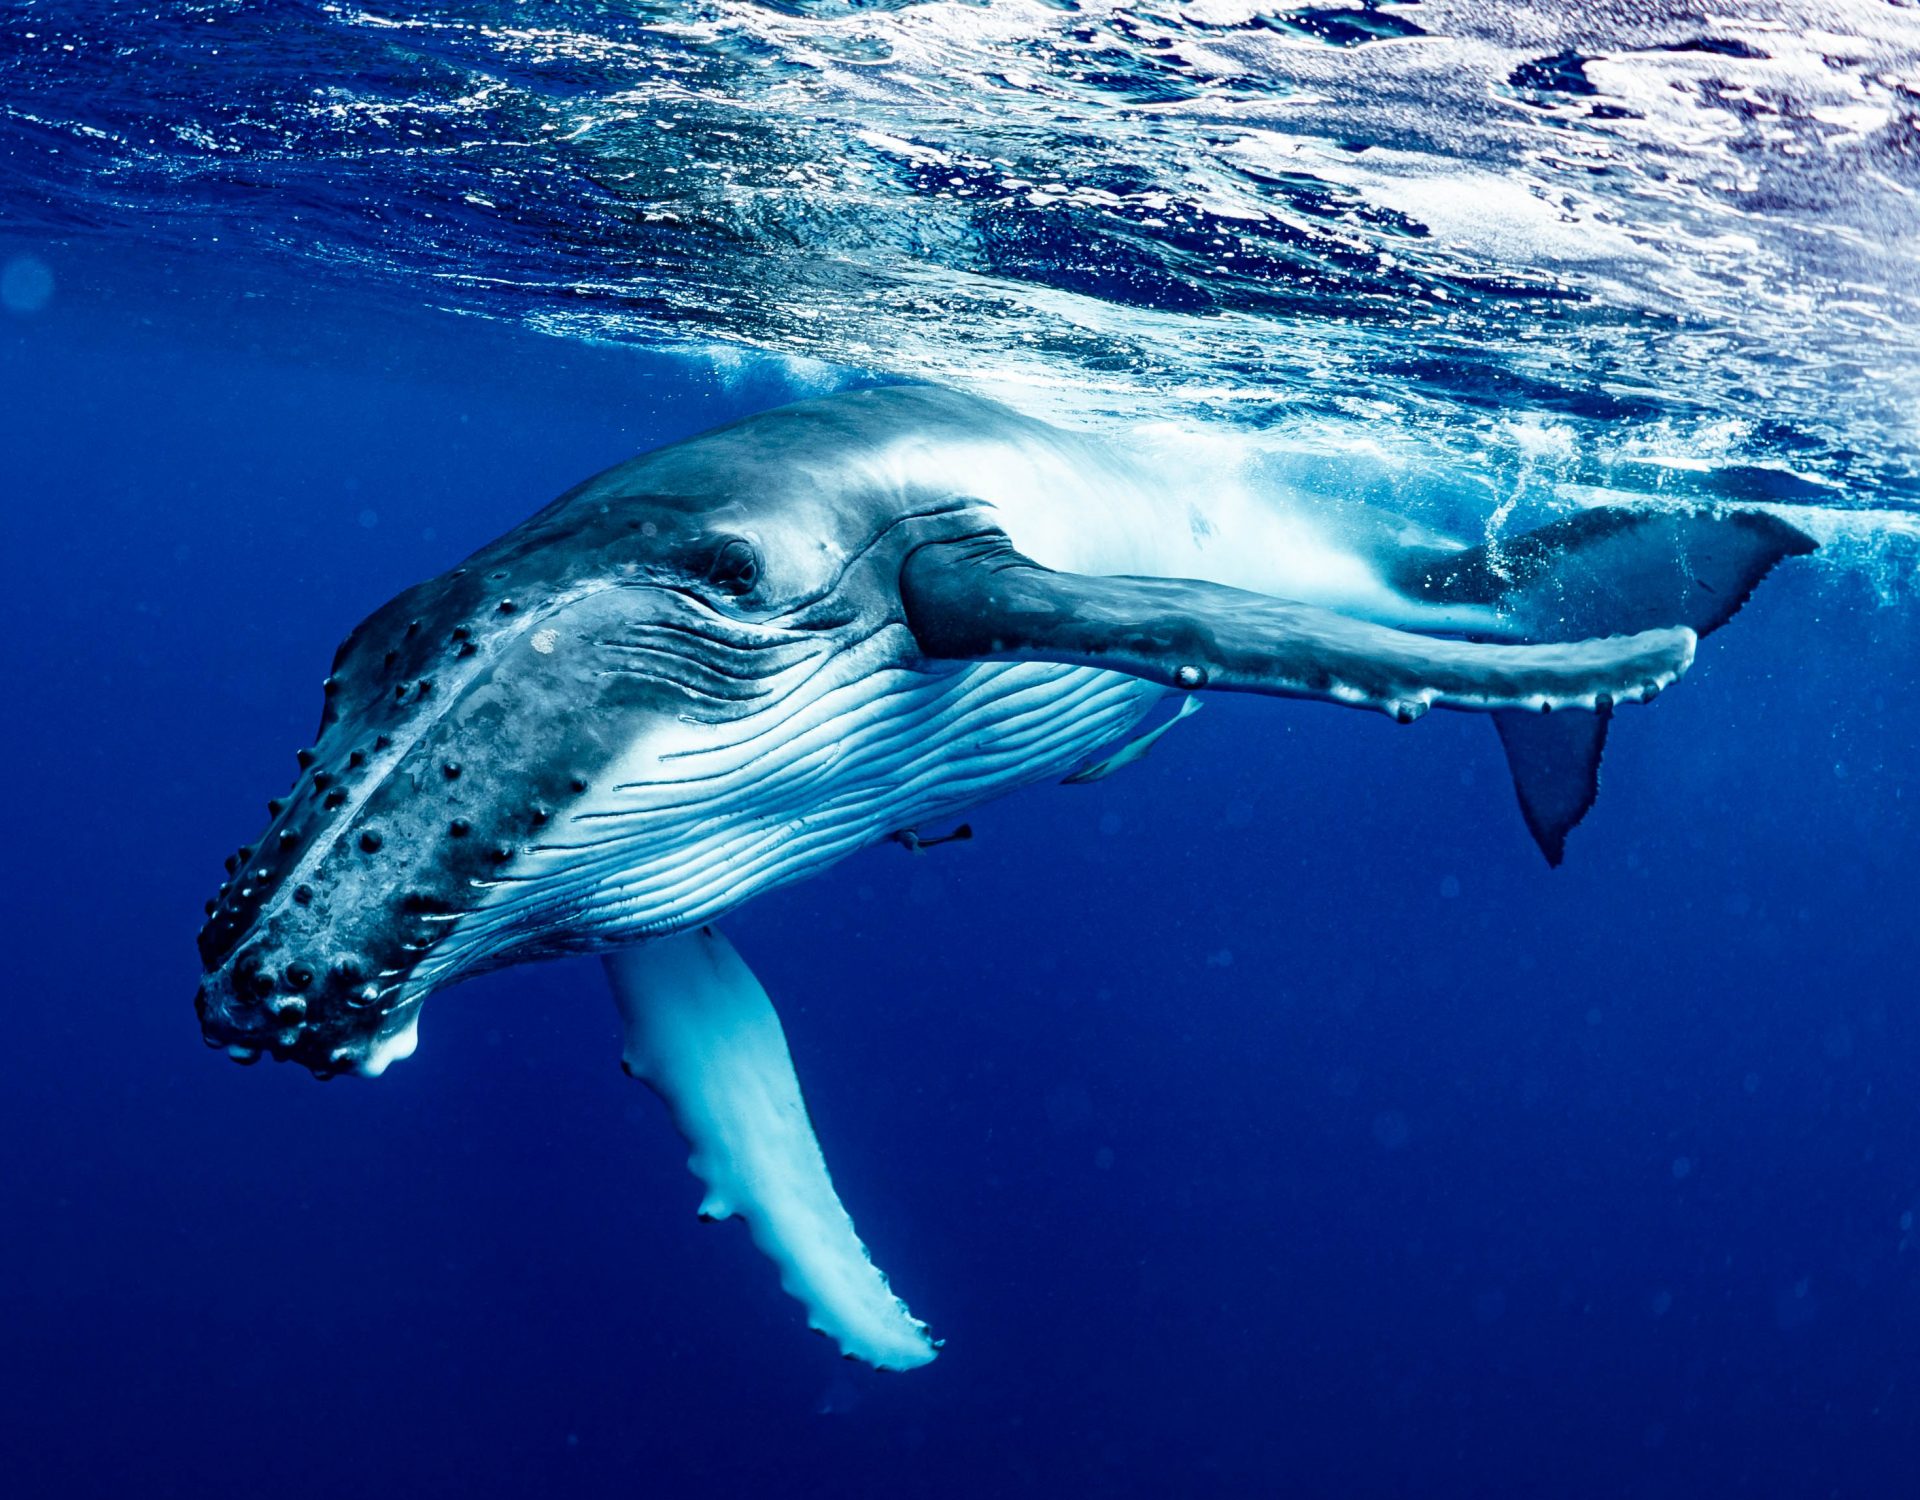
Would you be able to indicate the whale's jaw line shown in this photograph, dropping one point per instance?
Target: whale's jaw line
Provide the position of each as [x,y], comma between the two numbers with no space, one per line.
[700,813]
[694,822]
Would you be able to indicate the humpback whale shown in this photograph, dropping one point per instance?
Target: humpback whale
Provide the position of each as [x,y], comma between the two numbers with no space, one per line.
[724,665]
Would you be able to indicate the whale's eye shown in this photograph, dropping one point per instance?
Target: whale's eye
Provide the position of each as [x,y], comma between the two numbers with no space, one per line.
[736,567]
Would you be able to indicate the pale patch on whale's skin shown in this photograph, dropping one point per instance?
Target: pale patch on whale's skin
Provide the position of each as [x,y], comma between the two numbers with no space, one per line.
[724,666]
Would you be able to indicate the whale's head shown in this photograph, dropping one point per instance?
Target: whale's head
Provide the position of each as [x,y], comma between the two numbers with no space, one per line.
[533,753]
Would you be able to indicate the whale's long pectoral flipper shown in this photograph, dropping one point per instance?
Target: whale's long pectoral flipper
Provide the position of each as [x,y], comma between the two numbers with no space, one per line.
[702,1034]
[980,599]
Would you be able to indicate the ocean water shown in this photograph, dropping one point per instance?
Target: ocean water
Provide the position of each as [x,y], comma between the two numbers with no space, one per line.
[1265,1120]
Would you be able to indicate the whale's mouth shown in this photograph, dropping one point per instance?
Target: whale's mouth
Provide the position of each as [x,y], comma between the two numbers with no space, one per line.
[249,1015]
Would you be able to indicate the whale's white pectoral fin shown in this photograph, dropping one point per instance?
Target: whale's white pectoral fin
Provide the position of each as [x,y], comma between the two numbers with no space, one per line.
[701,1032]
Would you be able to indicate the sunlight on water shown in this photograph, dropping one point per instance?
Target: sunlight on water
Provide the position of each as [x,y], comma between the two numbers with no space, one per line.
[1638,249]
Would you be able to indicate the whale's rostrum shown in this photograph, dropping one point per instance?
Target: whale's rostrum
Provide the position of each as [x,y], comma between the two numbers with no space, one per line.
[725,665]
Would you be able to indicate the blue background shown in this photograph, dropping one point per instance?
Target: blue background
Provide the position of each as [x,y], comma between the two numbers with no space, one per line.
[1265,1120]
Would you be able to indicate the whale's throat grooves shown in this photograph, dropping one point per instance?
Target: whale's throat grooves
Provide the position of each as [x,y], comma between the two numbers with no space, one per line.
[697,818]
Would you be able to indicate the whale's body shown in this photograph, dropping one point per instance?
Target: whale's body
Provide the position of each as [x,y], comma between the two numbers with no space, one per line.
[865,744]
[725,665]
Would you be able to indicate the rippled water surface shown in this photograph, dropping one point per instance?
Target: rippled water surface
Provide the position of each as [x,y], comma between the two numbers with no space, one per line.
[1644,247]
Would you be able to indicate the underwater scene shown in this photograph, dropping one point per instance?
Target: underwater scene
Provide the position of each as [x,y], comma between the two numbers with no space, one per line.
[1149,749]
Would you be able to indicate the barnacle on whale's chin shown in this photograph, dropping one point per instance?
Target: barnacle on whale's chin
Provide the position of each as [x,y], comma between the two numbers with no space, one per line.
[394,1044]
[248,1026]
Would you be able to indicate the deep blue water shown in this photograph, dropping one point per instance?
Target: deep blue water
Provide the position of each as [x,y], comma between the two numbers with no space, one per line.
[1265,1120]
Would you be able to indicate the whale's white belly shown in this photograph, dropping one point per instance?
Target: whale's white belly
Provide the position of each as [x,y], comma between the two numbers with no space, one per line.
[698,818]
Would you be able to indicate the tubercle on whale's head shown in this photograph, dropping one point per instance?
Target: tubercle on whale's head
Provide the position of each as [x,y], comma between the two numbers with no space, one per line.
[464,723]
[436,768]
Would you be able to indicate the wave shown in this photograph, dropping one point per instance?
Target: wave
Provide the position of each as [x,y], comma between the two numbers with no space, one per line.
[1636,248]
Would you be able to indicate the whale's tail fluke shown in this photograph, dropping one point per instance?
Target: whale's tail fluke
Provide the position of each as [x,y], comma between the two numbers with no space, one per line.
[1616,570]
[1600,609]
[1555,761]
[1608,571]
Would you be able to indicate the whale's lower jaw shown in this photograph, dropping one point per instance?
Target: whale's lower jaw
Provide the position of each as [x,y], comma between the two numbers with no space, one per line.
[689,828]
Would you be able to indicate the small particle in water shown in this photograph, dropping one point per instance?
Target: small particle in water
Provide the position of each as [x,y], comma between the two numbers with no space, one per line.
[1450,887]
[1682,1168]
[1660,1302]
[369,518]
[1103,1159]
[544,640]
[26,285]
